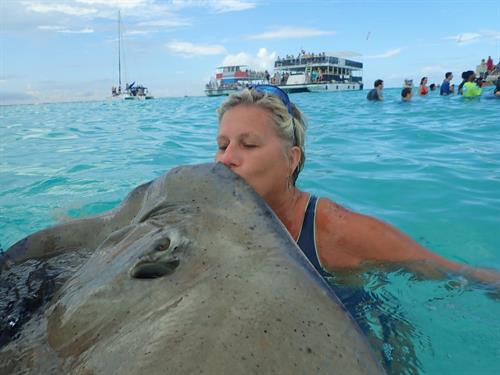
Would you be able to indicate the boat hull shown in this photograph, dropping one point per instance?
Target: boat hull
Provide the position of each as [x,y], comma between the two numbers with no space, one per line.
[320,87]
[224,92]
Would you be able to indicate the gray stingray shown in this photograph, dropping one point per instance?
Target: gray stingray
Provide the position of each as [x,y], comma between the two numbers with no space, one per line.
[192,273]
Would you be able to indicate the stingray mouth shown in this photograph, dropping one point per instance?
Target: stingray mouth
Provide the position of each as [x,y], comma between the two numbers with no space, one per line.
[147,269]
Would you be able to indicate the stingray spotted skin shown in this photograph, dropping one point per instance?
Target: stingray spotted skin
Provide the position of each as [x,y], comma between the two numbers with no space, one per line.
[193,273]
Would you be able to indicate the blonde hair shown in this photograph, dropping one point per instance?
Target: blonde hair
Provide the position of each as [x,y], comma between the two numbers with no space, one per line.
[289,128]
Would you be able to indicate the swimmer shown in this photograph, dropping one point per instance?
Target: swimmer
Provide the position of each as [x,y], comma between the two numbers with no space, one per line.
[470,87]
[376,93]
[422,88]
[261,138]
[445,86]
[406,94]
[496,91]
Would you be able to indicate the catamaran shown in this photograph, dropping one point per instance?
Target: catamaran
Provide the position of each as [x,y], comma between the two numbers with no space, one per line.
[132,91]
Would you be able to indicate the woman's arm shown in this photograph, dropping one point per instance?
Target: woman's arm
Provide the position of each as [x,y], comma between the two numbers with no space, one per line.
[347,239]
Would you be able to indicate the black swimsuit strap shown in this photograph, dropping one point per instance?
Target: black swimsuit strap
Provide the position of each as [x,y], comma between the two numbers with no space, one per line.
[306,241]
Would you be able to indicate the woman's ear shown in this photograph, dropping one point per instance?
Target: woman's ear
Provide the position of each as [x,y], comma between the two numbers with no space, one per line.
[294,155]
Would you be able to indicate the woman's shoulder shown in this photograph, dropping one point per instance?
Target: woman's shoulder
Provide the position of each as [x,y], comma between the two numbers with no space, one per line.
[330,210]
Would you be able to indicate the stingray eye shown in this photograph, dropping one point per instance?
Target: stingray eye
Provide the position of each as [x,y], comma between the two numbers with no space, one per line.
[162,246]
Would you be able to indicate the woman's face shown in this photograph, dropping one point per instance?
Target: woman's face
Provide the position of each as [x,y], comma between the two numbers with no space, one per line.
[249,144]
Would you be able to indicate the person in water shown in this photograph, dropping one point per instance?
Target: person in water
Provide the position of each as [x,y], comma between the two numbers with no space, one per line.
[261,138]
[496,91]
[376,93]
[470,88]
[445,86]
[422,88]
[406,94]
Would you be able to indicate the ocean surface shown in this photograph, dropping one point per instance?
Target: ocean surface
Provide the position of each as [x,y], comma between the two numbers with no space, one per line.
[431,167]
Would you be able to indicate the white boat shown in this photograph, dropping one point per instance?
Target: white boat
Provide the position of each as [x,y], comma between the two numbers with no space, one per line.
[309,72]
[233,78]
[132,91]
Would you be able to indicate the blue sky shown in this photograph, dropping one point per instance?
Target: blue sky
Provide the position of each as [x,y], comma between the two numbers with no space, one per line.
[54,50]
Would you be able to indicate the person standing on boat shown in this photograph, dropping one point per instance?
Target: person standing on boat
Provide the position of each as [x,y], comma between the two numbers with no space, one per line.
[489,65]
[376,93]
[445,86]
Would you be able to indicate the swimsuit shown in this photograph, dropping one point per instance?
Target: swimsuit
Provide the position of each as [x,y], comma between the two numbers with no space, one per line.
[307,238]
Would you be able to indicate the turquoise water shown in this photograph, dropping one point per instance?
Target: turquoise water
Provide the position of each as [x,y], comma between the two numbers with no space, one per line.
[431,167]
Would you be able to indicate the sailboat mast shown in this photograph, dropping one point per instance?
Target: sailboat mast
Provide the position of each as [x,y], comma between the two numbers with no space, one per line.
[119,52]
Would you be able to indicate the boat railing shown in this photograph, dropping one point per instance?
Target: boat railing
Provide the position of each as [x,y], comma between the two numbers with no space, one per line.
[316,60]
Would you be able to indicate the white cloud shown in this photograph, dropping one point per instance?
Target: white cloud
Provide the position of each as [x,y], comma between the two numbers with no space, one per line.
[223,6]
[492,34]
[288,32]
[86,30]
[464,38]
[165,23]
[120,4]
[137,32]
[386,54]
[344,54]
[262,61]
[58,8]
[217,6]
[433,69]
[60,29]
[50,28]
[188,48]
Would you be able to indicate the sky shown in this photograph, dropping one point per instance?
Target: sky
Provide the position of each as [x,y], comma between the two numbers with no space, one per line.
[55,50]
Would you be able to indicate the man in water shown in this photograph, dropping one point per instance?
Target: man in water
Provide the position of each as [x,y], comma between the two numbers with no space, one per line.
[376,92]
[445,86]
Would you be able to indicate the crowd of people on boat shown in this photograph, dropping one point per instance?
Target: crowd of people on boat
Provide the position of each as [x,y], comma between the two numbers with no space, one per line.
[131,89]
[471,85]
[236,83]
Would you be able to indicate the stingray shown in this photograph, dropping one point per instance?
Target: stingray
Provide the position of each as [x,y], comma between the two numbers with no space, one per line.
[192,273]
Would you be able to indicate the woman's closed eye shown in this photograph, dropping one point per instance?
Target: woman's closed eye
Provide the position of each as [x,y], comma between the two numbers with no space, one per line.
[250,145]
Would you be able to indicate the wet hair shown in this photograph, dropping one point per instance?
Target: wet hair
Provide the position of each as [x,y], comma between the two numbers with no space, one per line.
[432,86]
[290,129]
[422,80]
[405,92]
[466,75]
[378,82]
[447,75]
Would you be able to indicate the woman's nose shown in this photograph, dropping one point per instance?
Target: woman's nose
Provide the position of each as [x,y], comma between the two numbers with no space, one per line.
[229,157]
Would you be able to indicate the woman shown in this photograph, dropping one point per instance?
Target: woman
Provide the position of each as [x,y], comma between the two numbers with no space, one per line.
[261,138]
[422,88]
